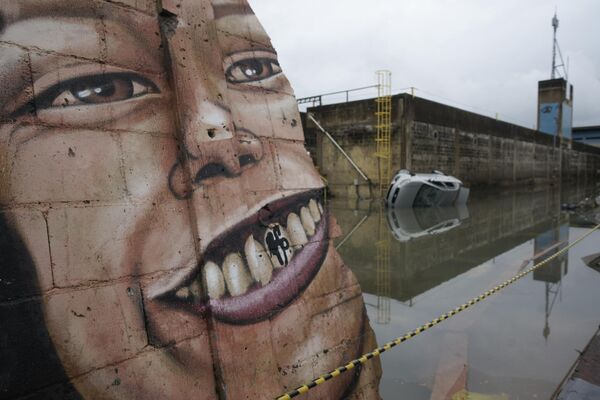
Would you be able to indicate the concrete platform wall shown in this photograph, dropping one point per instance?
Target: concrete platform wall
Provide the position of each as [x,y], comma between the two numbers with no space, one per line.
[427,135]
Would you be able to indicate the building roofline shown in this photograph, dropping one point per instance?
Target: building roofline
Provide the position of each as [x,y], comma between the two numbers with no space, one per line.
[586,128]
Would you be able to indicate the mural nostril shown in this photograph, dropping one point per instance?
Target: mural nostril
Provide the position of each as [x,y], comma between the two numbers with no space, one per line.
[211,170]
[246,159]
[211,132]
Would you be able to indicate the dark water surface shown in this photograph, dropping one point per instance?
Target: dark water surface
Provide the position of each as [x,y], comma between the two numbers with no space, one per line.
[517,344]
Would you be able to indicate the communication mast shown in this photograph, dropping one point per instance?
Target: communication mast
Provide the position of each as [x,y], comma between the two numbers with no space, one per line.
[556,49]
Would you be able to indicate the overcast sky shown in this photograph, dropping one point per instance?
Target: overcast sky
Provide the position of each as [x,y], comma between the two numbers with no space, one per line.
[485,56]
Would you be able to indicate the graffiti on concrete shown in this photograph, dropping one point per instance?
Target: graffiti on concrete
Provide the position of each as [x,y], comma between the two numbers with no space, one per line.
[278,246]
[549,118]
[139,142]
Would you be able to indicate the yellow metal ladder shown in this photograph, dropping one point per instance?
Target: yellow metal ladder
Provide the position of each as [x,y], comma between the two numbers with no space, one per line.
[383,140]
[384,129]
[383,276]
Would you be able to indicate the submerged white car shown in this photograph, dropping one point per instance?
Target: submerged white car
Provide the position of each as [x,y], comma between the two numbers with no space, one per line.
[425,190]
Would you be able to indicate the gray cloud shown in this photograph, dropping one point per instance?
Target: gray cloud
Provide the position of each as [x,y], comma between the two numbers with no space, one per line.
[486,56]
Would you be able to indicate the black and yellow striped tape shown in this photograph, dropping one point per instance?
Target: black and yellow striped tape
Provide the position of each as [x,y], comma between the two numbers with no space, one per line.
[364,358]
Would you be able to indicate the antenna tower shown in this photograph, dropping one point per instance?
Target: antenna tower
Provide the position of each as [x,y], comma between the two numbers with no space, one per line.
[556,50]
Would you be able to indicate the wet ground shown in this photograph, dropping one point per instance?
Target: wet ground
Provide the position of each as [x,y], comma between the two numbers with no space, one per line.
[414,266]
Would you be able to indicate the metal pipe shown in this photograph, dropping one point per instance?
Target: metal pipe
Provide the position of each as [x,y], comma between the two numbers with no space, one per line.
[352,231]
[362,174]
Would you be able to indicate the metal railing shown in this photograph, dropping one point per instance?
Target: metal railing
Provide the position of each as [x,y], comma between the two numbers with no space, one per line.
[317,100]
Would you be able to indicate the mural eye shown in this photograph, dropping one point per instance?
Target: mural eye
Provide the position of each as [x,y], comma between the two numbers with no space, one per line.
[96,89]
[252,69]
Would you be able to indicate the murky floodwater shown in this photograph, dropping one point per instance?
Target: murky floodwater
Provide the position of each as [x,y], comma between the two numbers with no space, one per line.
[517,344]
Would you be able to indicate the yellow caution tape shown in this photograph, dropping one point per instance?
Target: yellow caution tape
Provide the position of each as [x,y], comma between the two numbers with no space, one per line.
[364,358]
[465,395]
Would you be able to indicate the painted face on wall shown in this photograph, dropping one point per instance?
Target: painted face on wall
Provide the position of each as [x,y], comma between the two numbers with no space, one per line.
[154,167]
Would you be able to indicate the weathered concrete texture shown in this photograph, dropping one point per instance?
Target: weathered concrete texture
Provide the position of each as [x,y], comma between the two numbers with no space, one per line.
[579,389]
[145,145]
[584,383]
[427,135]
[588,367]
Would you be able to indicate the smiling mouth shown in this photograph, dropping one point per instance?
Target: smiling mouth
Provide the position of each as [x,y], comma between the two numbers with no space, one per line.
[256,268]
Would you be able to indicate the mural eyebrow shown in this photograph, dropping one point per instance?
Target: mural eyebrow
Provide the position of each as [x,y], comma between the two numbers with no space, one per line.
[225,10]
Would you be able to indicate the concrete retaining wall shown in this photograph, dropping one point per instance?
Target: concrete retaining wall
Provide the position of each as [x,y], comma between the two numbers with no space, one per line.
[427,135]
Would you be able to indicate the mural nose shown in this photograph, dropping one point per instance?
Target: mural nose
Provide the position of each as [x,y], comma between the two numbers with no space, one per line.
[215,146]
[245,148]
[211,146]
[214,149]
[204,122]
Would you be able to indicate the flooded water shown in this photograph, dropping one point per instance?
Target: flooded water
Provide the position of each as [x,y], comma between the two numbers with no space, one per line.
[414,266]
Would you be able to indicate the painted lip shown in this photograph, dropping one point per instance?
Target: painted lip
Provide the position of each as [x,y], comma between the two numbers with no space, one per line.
[287,283]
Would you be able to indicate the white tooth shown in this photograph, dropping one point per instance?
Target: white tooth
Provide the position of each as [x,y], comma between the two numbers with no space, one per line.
[258,261]
[196,289]
[278,245]
[296,231]
[237,277]
[183,293]
[307,221]
[314,210]
[320,207]
[213,279]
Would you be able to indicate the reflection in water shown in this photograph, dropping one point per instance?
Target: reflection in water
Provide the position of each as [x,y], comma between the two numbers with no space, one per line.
[546,245]
[492,225]
[383,271]
[415,264]
[405,224]
[411,223]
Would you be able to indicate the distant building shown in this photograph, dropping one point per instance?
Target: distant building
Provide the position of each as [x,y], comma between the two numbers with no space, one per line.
[589,135]
[555,108]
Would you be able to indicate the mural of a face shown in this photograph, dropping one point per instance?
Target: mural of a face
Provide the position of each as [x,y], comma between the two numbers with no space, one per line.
[154,166]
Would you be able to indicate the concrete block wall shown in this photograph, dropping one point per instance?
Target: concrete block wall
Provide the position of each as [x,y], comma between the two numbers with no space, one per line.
[353,127]
[161,234]
[428,135]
